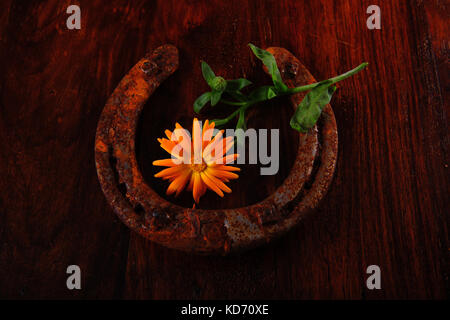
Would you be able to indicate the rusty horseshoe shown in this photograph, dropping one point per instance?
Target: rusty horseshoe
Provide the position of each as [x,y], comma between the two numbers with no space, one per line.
[217,231]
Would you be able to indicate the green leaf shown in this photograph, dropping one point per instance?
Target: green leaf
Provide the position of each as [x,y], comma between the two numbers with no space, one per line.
[201,101]
[215,97]
[207,72]
[309,110]
[262,93]
[237,84]
[271,93]
[269,61]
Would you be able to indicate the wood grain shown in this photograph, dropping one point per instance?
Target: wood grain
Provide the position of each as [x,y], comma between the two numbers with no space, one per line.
[388,204]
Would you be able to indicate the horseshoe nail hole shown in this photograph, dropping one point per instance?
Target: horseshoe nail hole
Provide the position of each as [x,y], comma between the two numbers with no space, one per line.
[139,209]
[122,189]
[148,66]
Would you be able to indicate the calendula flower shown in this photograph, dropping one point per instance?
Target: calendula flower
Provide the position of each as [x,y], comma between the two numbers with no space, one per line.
[200,162]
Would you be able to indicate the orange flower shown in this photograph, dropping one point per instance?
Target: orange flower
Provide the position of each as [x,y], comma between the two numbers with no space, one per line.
[205,167]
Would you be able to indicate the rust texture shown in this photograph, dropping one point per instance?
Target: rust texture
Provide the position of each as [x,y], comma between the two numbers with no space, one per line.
[196,230]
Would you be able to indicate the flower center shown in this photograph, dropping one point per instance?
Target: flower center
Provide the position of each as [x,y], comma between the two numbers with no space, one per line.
[199,167]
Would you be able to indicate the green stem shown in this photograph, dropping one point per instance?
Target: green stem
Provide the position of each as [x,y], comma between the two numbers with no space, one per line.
[333,80]
[231,116]
[231,103]
[246,104]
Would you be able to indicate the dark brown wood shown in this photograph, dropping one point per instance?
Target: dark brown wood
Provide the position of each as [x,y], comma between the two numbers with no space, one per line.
[388,204]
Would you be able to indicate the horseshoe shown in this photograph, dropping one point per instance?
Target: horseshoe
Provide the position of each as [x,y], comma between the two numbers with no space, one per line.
[218,231]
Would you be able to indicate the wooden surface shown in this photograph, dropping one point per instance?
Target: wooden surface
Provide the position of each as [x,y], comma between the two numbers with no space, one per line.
[388,204]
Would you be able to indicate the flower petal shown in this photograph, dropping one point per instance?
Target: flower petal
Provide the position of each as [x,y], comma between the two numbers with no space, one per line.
[229,142]
[197,187]
[224,167]
[210,147]
[229,159]
[167,144]
[165,163]
[182,137]
[218,157]
[197,141]
[223,174]
[171,171]
[208,131]
[217,182]
[179,183]
[211,184]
